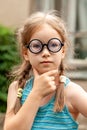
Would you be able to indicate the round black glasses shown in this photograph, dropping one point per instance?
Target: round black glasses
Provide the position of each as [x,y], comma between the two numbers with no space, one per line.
[53,45]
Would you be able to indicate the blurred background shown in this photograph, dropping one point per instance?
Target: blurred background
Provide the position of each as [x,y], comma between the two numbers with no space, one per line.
[12,15]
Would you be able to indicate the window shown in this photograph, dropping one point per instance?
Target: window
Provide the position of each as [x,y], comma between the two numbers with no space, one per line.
[75,15]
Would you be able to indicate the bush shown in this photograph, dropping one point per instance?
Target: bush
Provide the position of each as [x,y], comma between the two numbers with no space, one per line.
[8,58]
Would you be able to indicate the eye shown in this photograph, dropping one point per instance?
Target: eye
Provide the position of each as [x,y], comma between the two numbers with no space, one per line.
[54,44]
[36,45]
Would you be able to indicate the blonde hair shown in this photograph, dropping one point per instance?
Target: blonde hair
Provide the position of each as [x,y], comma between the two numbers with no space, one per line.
[35,21]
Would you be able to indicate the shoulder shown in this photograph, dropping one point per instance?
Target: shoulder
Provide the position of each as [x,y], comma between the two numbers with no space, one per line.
[13,85]
[12,88]
[77,91]
[12,95]
[78,97]
[74,89]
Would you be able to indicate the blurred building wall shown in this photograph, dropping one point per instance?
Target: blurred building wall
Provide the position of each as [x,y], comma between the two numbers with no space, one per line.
[13,12]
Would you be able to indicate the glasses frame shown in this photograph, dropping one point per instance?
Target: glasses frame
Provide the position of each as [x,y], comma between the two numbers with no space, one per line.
[43,45]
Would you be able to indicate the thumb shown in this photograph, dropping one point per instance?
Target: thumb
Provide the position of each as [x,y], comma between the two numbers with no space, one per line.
[36,74]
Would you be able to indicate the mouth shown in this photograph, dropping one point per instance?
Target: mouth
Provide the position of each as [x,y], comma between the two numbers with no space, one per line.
[46,62]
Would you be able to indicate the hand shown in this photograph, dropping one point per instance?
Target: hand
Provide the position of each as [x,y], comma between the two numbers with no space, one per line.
[44,84]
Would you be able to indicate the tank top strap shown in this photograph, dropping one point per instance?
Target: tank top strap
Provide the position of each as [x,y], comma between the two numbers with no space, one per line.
[67,81]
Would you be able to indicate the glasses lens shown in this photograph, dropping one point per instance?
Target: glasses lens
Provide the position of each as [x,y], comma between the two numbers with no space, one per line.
[54,45]
[35,46]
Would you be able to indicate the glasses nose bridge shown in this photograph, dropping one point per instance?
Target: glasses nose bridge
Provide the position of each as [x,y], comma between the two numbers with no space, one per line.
[45,49]
[44,45]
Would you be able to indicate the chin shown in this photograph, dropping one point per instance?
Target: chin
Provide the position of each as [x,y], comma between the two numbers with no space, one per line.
[45,70]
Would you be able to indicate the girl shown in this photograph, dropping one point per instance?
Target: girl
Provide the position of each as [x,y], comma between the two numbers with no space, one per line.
[41,97]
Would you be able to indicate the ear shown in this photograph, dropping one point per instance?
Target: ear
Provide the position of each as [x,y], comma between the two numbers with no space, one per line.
[25,53]
[63,53]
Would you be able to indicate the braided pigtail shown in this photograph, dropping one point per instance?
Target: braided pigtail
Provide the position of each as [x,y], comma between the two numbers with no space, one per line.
[24,76]
[59,99]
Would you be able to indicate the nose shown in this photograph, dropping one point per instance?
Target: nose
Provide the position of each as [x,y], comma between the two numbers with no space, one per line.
[45,52]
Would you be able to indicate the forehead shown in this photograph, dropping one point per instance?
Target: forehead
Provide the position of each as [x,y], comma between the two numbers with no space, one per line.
[45,32]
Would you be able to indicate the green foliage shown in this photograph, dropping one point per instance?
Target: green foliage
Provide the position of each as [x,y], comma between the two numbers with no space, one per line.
[8,58]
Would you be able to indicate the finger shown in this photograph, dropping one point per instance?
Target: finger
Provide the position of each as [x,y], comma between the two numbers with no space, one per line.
[53,83]
[53,86]
[36,74]
[52,78]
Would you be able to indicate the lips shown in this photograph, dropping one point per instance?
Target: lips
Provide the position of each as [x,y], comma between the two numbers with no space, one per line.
[46,62]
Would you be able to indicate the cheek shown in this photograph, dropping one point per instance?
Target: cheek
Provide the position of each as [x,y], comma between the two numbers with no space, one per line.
[57,60]
[33,60]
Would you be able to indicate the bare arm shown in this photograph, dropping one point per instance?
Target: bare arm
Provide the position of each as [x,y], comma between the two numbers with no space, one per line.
[23,119]
[78,98]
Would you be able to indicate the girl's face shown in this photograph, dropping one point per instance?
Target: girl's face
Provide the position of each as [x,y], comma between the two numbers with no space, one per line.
[45,60]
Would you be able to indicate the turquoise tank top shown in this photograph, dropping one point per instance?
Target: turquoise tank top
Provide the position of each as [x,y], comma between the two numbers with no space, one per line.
[46,118]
